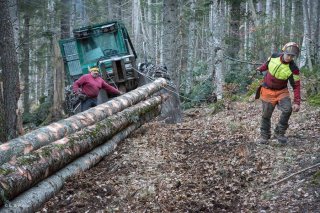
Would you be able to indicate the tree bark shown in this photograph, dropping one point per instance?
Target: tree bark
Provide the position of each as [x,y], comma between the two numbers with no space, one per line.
[36,166]
[293,20]
[45,135]
[170,52]
[10,72]
[26,63]
[191,47]
[305,53]
[33,199]
[216,40]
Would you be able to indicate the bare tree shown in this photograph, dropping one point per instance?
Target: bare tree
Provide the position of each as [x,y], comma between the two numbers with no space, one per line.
[170,53]
[293,19]
[306,56]
[10,73]
[216,21]
[191,45]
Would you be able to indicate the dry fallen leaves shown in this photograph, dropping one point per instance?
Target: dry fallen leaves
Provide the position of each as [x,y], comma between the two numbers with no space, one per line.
[208,163]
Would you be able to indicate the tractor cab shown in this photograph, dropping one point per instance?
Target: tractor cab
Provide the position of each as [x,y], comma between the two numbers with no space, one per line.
[105,45]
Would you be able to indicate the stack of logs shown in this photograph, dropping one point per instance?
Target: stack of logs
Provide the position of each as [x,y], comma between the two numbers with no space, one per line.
[35,166]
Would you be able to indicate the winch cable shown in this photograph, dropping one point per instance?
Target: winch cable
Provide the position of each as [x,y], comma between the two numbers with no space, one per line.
[166,87]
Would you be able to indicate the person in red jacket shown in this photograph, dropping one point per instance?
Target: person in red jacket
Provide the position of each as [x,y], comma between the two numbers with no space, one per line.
[278,70]
[88,87]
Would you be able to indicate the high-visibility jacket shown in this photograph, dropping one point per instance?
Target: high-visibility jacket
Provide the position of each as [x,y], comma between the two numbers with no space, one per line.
[279,73]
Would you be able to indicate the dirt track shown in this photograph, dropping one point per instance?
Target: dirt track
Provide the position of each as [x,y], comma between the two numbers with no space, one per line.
[208,163]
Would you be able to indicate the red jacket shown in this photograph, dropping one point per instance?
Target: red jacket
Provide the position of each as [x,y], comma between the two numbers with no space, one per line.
[91,86]
[277,84]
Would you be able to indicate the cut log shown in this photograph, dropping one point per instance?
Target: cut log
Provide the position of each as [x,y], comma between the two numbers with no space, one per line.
[55,131]
[31,168]
[31,200]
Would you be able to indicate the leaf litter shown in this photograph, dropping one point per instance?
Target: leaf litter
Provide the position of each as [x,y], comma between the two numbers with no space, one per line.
[208,163]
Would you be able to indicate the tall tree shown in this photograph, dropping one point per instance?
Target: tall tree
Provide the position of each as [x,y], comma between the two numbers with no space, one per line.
[170,50]
[306,37]
[216,41]
[26,62]
[10,72]
[234,26]
[293,19]
[191,45]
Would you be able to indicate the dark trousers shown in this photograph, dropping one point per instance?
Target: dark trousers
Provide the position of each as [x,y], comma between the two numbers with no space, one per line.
[284,105]
[88,103]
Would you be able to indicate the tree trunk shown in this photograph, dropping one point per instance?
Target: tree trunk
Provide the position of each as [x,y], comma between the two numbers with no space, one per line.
[3,137]
[170,52]
[316,34]
[234,35]
[274,27]
[135,20]
[293,20]
[191,47]
[34,198]
[305,55]
[26,63]
[217,29]
[36,166]
[283,19]
[10,72]
[45,135]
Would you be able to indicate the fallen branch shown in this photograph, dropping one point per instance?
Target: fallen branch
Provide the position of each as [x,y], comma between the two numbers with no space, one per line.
[290,176]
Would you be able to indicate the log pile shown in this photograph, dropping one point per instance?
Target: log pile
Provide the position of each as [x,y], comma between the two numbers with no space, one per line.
[74,147]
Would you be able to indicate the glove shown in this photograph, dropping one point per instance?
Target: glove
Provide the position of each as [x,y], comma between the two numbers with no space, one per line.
[82,96]
[295,108]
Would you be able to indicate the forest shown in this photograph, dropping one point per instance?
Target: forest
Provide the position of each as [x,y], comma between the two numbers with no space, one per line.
[211,50]
[206,46]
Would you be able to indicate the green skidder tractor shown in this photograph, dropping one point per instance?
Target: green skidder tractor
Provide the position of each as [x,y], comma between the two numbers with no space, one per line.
[107,46]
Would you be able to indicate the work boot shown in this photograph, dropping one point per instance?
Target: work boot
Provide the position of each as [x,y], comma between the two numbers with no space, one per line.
[279,135]
[262,140]
[282,139]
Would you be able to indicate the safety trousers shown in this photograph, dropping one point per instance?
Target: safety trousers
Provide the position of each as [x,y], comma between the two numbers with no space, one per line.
[285,106]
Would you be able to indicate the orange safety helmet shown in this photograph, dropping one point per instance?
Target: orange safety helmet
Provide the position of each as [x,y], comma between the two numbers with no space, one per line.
[291,48]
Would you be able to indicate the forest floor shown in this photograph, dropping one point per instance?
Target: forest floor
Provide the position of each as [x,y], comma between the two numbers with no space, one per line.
[208,163]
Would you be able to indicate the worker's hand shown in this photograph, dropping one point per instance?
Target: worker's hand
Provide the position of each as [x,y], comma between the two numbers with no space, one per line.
[121,93]
[295,108]
[79,91]
[82,97]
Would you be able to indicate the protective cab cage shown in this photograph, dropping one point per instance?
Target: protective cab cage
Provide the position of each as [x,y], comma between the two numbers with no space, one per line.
[106,45]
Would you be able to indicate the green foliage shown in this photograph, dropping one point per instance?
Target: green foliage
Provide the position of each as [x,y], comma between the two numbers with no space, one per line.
[199,94]
[239,75]
[312,81]
[217,107]
[38,116]
[251,88]
[201,68]
[316,178]
[312,85]
[314,100]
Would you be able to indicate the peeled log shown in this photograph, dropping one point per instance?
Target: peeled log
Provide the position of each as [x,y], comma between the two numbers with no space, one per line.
[31,200]
[36,166]
[55,131]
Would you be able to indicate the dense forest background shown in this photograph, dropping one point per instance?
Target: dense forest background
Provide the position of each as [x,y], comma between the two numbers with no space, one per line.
[208,47]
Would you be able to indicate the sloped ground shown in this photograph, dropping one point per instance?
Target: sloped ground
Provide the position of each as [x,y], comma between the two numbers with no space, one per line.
[208,163]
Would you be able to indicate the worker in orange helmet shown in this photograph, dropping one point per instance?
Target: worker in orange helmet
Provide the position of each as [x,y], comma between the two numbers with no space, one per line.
[278,70]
